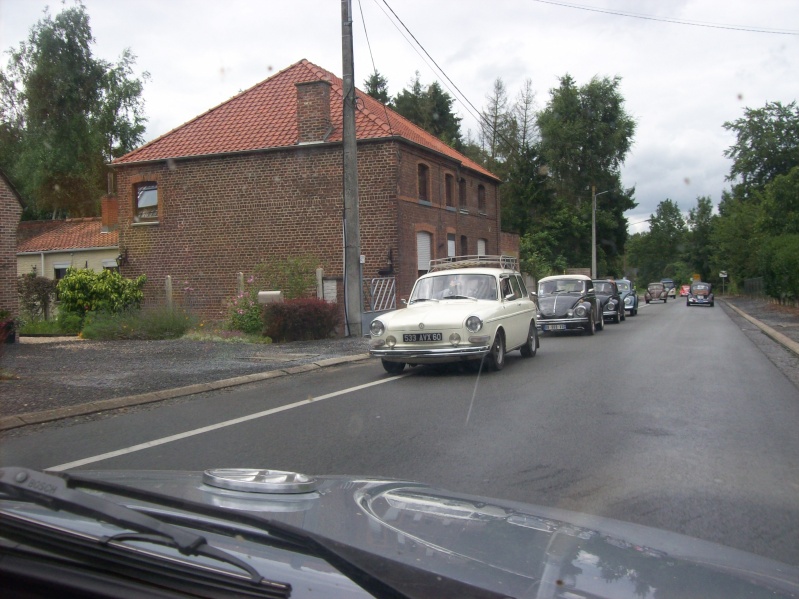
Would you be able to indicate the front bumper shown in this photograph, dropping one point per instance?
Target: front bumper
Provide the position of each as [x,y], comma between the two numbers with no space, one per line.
[561,324]
[430,355]
[610,313]
[699,301]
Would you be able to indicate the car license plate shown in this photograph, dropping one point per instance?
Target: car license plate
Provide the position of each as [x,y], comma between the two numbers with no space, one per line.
[554,327]
[416,337]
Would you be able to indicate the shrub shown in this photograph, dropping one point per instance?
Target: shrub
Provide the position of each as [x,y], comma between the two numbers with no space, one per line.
[150,324]
[83,290]
[295,277]
[301,319]
[779,263]
[36,295]
[244,312]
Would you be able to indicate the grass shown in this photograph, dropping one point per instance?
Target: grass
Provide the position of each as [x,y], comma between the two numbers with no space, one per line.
[42,327]
[147,324]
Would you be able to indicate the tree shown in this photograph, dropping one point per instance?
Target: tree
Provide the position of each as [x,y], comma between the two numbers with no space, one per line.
[497,128]
[430,107]
[377,87]
[699,245]
[767,145]
[658,252]
[66,114]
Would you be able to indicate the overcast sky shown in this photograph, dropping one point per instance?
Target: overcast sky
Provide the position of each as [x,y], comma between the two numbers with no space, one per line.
[687,66]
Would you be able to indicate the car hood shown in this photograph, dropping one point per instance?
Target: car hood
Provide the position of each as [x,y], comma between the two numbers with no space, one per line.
[444,314]
[516,549]
[556,306]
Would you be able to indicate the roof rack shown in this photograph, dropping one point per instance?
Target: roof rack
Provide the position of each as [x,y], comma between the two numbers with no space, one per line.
[506,262]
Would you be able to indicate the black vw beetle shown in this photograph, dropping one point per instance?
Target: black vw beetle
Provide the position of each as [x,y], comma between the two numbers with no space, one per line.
[568,303]
[610,304]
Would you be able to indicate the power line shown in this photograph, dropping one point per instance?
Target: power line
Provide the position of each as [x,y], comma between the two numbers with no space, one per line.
[632,15]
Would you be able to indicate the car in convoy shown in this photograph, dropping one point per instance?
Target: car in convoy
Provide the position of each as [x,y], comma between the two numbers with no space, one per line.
[465,309]
[671,287]
[242,532]
[568,303]
[684,290]
[656,292]
[700,294]
[629,296]
[610,304]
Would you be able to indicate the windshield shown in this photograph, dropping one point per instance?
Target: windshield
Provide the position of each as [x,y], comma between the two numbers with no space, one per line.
[448,285]
[551,287]
[367,241]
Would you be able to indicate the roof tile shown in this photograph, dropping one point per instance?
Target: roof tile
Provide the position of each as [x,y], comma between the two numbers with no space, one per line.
[69,234]
[265,116]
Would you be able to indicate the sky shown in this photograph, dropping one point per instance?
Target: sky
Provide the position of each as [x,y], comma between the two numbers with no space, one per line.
[686,66]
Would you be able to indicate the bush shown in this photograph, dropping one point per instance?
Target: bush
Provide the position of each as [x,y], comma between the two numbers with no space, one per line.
[244,312]
[36,295]
[83,290]
[779,263]
[301,319]
[150,324]
[69,323]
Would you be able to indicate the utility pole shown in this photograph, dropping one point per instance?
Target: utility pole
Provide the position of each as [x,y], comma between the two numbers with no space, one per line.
[352,235]
[594,194]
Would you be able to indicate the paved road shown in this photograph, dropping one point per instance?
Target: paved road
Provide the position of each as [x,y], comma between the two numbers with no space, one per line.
[673,419]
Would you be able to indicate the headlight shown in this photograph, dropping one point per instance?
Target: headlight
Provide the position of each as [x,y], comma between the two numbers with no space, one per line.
[377,328]
[628,301]
[611,305]
[580,311]
[474,324]
[455,339]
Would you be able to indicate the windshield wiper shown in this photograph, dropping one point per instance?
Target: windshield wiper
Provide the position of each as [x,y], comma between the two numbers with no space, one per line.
[423,299]
[54,493]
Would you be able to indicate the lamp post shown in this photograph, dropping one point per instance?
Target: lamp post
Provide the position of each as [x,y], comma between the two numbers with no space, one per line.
[594,194]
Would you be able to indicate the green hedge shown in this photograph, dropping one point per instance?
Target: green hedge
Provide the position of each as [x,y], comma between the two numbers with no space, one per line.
[779,263]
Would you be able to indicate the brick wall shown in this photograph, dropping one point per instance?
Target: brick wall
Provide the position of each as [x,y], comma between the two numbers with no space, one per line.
[10,213]
[222,215]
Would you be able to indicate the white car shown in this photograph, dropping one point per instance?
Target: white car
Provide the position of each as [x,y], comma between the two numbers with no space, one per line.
[466,308]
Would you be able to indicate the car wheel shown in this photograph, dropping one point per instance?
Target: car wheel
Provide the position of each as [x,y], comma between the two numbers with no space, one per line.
[590,328]
[616,318]
[712,304]
[393,367]
[665,299]
[529,348]
[496,357]
[634,312]
[600,324]
[623,315]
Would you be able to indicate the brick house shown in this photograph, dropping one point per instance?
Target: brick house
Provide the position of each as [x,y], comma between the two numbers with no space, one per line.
[259,178]
[50,247]
[10,213]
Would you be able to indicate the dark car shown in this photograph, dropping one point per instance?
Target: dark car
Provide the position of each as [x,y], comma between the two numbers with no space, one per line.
[701,294]
[671,287]
[628,295]
[610,304]
[267,533]
[656,292]
[568,303]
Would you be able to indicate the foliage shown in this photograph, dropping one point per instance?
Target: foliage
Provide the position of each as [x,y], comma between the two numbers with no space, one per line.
[658,253]
[295,277]
[698,243]
[766,146]
[69,323]
[65,114]
[147,324]
[430,107]
[244,312]
[37,326]
[779,263]
[83,290]
[36,295]
[301,319]
[779,203]
[377,87]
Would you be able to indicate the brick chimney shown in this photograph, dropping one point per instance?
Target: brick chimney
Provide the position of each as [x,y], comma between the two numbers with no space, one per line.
[109,213]
[313,111]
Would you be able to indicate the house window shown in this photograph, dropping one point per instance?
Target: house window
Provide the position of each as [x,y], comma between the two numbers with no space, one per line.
[423,177]
[464,246]
[60,271]
[481,247]
[450,245]
[111,265]
[424,244]
[481,199]
[146,202]
[462,194]
[449,183]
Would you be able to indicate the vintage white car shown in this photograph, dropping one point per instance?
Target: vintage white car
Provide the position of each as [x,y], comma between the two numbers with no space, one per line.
[467,308]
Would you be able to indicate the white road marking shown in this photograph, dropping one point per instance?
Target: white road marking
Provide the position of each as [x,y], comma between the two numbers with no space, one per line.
[219,425]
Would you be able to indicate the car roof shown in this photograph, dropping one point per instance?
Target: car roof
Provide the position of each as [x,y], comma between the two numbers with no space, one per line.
[567,277]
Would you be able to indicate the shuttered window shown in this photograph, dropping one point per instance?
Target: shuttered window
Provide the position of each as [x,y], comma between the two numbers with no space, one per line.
[481,247]
[424,244]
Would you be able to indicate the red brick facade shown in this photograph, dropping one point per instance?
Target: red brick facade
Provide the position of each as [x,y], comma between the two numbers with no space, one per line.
[10,213]
[259,179]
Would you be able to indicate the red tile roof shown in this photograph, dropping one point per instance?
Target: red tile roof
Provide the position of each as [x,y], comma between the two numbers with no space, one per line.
[265,116]
[69,234]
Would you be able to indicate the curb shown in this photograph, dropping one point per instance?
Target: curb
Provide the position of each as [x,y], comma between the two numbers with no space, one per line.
[29,418]
[783,340]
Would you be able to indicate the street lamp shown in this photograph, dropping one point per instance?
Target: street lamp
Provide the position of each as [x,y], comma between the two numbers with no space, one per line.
[594,194]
